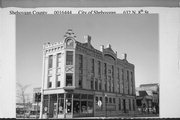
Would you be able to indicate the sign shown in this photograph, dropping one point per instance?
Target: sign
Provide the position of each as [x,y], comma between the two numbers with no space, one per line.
[99,103]
[45,109]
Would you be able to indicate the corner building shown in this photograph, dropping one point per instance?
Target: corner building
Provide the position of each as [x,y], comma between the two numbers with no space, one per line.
[79,80]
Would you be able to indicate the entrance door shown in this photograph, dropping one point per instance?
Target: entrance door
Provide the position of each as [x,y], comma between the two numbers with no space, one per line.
[53,106]
[68,106]
[124,105]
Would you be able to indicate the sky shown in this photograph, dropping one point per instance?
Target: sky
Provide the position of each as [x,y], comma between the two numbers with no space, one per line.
[136,35]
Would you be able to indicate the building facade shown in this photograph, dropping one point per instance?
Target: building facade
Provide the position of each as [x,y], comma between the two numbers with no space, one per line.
[79,80]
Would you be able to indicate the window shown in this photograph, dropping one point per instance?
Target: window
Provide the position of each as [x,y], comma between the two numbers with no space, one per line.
[132,81]
[122,74]
[96,84]
[105,70]
[110,100]
[96,100]
[68,79]
[112,71]
[80,64]
[106,99]
[105,85]
[129,104]
[49,81]
[118,73]
[50,61]
[100,84]
[92,65]
[60,103]
[58,83]
[69,57]
[99,68]
[58,59]
[119,104]
[80,81]
[128,82]
[80,70]
[58,79]
[134,105]
[114,100]
[92,84]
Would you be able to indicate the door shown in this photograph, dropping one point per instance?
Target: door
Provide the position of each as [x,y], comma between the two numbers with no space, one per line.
[124,105]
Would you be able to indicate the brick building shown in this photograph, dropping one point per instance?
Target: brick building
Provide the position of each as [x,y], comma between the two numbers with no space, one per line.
[79,80]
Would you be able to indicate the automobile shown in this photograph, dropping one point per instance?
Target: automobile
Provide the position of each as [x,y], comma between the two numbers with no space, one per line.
[32,114]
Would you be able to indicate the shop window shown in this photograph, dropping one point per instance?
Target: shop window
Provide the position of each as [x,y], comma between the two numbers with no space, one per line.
[90,97]
[83,106]
[76,106]
[69,79]
[50,61]
[90,107]
[60,106]
[68,103]
[69,58]
[96,100]
[83,96]
[76,96]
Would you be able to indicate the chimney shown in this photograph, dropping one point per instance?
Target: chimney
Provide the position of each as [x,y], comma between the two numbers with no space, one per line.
[101,48]
[124,56]
[109,46]
[87,39]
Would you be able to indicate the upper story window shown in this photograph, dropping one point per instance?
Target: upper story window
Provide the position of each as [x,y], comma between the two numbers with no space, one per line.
[105,68]
[49,81]
[58,59]
[80,64]
[69,58]
[92,65]
[99,68]
[50,64]
[69,78]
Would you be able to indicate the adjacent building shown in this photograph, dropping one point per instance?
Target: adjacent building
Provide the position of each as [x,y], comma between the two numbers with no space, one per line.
[79,80]
[36,99]
[148,98]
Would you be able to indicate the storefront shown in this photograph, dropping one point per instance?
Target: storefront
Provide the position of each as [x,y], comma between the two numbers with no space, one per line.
[68,105]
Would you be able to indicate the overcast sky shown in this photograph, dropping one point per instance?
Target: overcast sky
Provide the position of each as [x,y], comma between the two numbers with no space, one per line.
[136,35]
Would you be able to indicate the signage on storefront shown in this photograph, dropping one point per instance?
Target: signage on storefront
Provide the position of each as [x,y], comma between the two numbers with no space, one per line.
[99,103]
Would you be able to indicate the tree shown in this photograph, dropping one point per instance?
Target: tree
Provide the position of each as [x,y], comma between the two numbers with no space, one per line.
[22,95]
